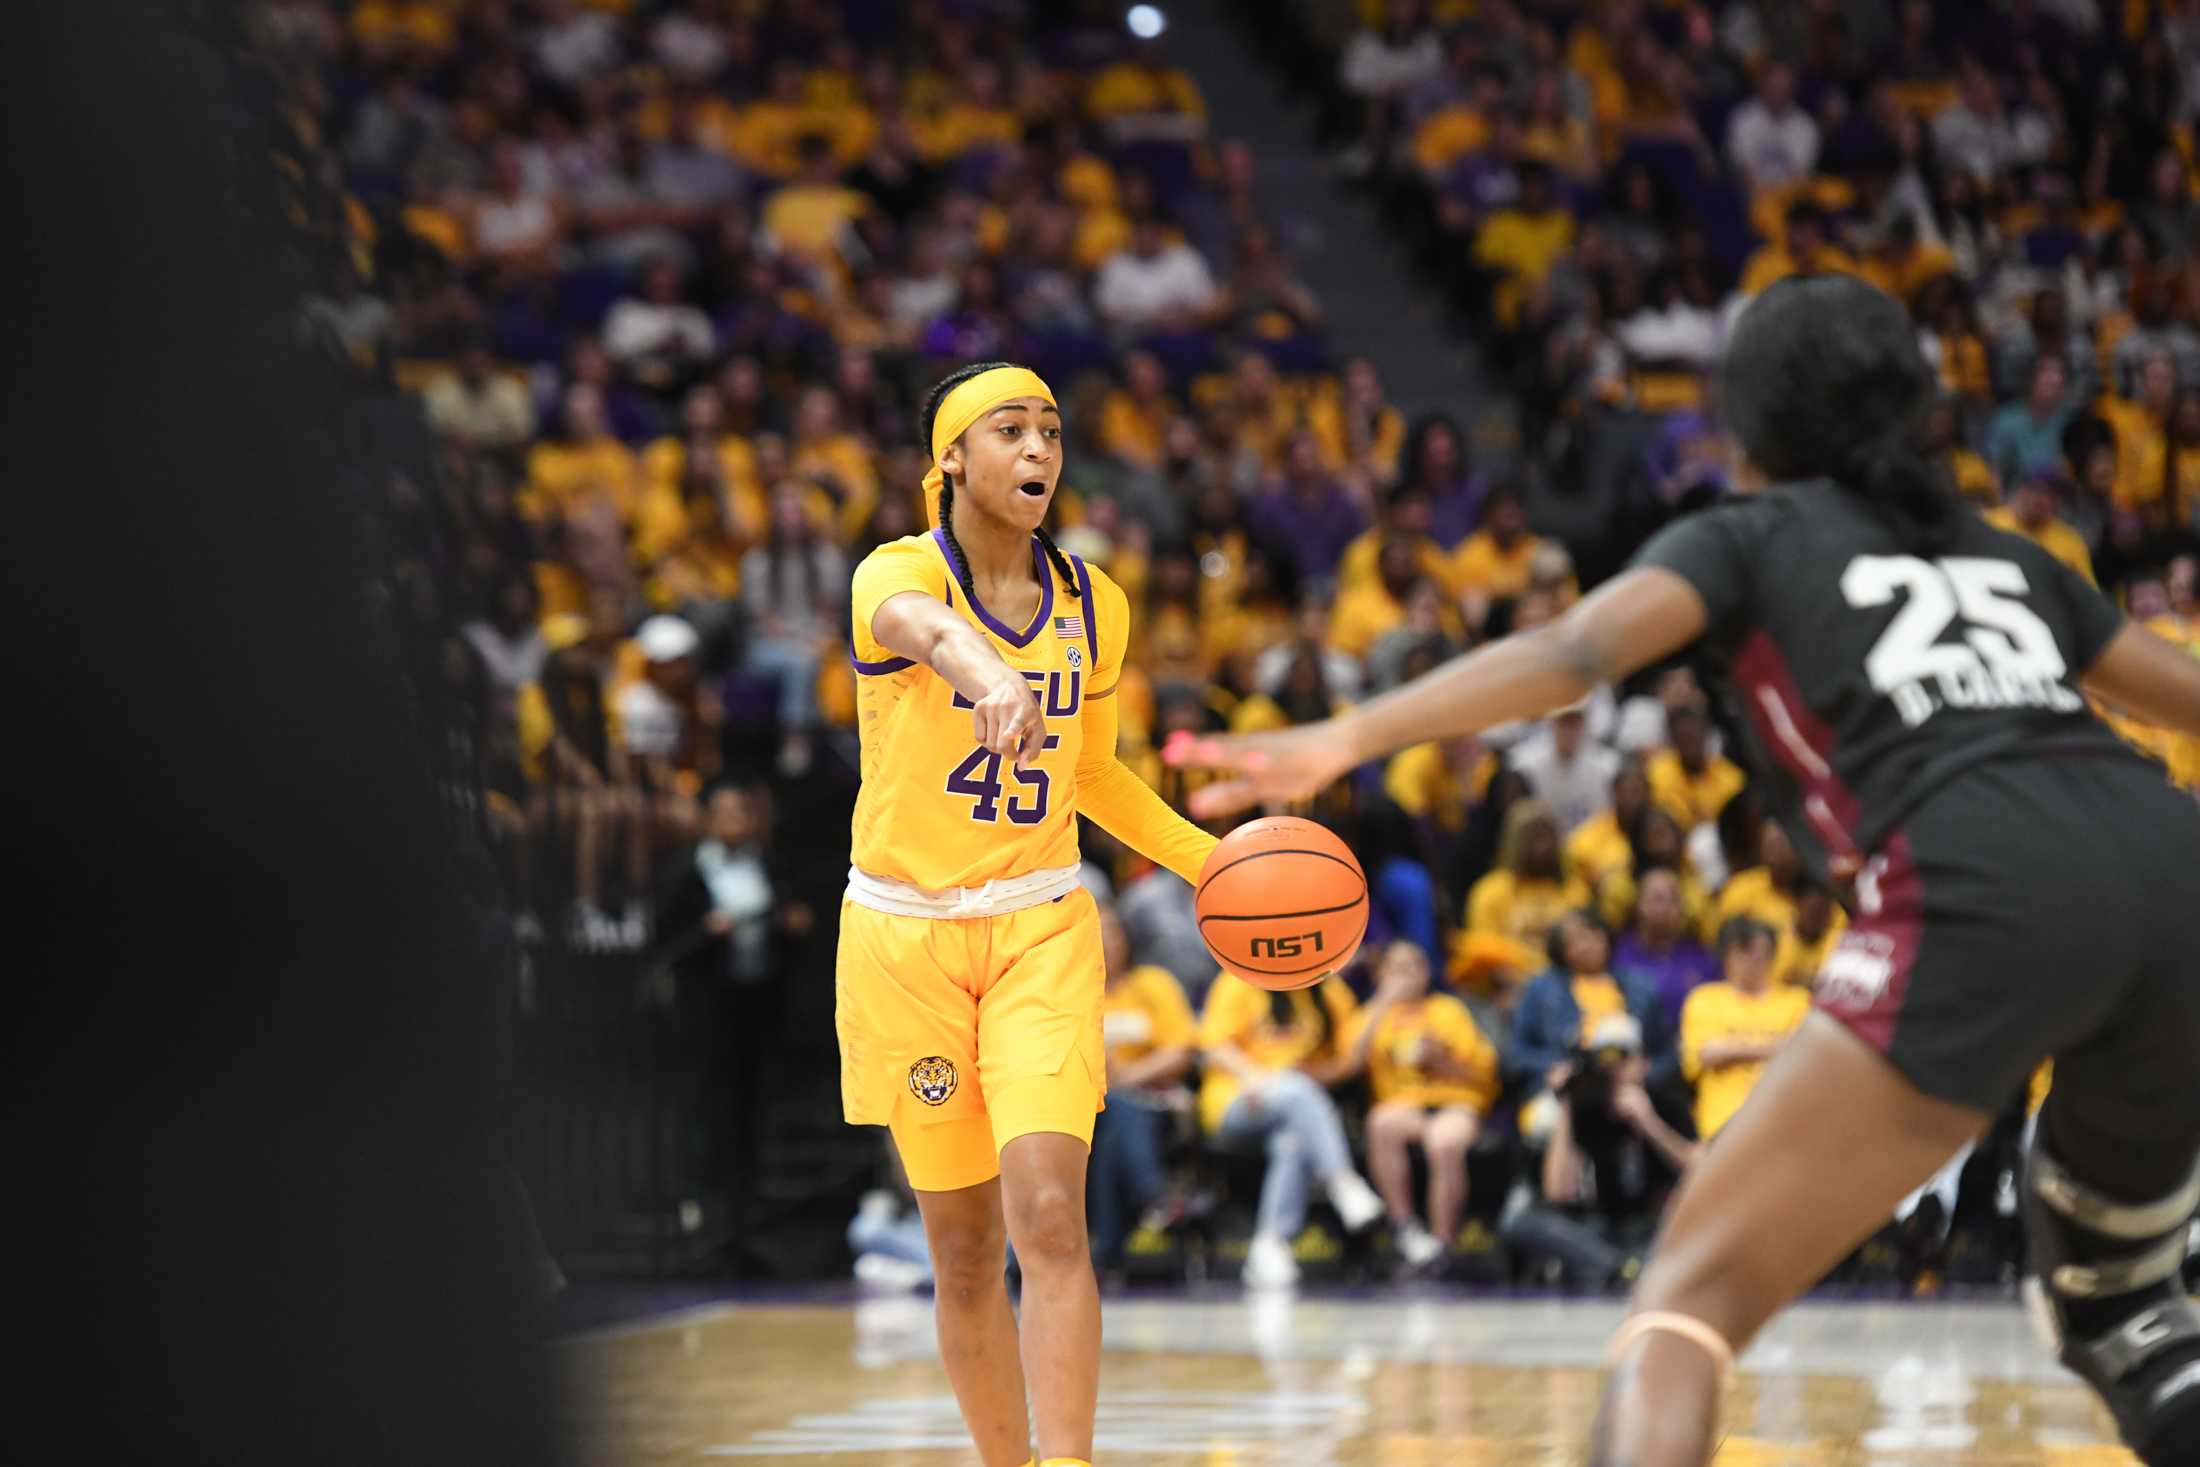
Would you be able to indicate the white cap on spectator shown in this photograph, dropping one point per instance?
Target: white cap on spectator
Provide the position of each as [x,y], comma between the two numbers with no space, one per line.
[1615,1031]
[666,639]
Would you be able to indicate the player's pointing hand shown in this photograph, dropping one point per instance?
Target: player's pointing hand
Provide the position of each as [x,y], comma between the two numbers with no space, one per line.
[1007,722]
[1274,768]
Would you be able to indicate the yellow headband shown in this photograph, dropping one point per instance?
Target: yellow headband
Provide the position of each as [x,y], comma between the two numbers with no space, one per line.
[964,404]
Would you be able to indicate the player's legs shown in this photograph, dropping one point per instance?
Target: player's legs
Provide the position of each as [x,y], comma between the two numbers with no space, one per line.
[1760,1218]
[1450,1134]
[976,1326]
[2100,972]
[907,1020]
[2110,1185]
[1044,1072]
[1043,1195]
[1392,1127]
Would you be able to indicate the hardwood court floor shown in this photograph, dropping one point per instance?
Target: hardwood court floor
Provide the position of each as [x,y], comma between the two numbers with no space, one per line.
[1229,1381]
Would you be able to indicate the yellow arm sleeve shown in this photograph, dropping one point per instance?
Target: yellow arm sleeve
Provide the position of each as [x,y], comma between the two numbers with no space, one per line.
[1108,790]
[1124,806]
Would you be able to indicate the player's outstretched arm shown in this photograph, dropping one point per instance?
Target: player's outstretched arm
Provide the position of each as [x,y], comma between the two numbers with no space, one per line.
[1628,623]
[2148,676]
[1005,714]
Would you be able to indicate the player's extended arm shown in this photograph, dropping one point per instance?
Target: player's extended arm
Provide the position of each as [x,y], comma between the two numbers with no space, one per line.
[1005,711]
[1123,805]
[1628,623]
[2148,676]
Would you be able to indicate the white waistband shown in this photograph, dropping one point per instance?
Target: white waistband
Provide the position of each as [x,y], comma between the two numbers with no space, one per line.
[995,898]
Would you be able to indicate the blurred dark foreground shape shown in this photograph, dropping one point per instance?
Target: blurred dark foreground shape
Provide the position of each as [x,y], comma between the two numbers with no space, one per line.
[269,1215]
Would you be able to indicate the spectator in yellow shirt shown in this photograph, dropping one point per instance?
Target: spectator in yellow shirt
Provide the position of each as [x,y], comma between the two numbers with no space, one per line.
[1819,923]
[1730,1028]
[1134,415]
[2030,512]
[814,216]
[585,464]
[1770,892]
[1520,244]
[824,451]
[1659,844]
[1357,428]
[1406,511]
[976,115]
[1146,98]
[1462,125]
[1271,1060]
[1688,779]
[1148,1028]
[1955,342]
[1806,251]
[1943,439]
[1434,1076]
[1523,898]
[1901,266]
[1365,612]
[1439,783]
[2182,486]
[1494,563]
[1600,846]
[2141,425]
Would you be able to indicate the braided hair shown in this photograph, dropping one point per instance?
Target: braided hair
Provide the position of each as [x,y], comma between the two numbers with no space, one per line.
[955,556]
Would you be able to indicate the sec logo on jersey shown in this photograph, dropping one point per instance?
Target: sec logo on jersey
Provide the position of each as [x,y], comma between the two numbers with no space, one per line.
[1076,656]
[932,1079]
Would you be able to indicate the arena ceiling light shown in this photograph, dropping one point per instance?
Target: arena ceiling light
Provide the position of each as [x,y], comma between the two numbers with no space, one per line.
[1145,21]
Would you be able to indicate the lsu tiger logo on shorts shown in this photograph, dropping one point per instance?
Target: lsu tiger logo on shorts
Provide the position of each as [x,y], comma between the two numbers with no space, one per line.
[932,1079]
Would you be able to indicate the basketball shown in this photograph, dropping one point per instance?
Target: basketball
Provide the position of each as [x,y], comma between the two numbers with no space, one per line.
[1282,902]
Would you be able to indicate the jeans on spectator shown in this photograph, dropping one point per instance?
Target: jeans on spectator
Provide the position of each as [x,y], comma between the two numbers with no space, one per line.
[1125,1173]
[1594,1248]
[1305,1140]
[795,665]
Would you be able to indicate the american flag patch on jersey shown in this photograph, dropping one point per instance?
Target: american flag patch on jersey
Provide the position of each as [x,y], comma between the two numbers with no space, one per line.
[1071,627]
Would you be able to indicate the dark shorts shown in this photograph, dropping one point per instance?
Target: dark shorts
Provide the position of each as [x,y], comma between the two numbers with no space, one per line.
[2032,909]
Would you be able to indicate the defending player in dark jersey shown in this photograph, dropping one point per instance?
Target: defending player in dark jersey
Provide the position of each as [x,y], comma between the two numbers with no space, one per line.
[1908,681]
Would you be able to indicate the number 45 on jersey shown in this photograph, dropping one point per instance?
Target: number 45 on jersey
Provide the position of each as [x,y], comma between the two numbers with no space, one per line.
[2000,656]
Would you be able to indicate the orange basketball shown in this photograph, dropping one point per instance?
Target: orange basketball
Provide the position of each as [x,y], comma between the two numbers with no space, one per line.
[1282,902]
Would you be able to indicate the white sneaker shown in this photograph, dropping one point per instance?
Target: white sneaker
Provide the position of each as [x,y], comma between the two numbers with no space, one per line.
[1356,1203]
[1417,1245]
[886,1273]
[1269,1264]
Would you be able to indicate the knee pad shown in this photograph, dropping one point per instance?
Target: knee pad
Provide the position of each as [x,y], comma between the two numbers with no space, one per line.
[2106,1289]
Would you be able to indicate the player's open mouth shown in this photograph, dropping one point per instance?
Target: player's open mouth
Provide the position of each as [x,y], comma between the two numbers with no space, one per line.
[1036,488]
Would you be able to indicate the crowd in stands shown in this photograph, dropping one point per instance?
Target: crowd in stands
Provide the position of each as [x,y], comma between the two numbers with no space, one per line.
[1602,187]
[663,280]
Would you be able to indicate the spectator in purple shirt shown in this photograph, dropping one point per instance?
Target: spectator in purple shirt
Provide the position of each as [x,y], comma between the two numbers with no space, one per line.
[1436,466]
[1487,178]
[1308,516]
[1658,946]
[980,327]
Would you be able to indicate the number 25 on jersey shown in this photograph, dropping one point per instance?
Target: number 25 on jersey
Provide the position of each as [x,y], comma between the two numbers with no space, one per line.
[2000,654]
